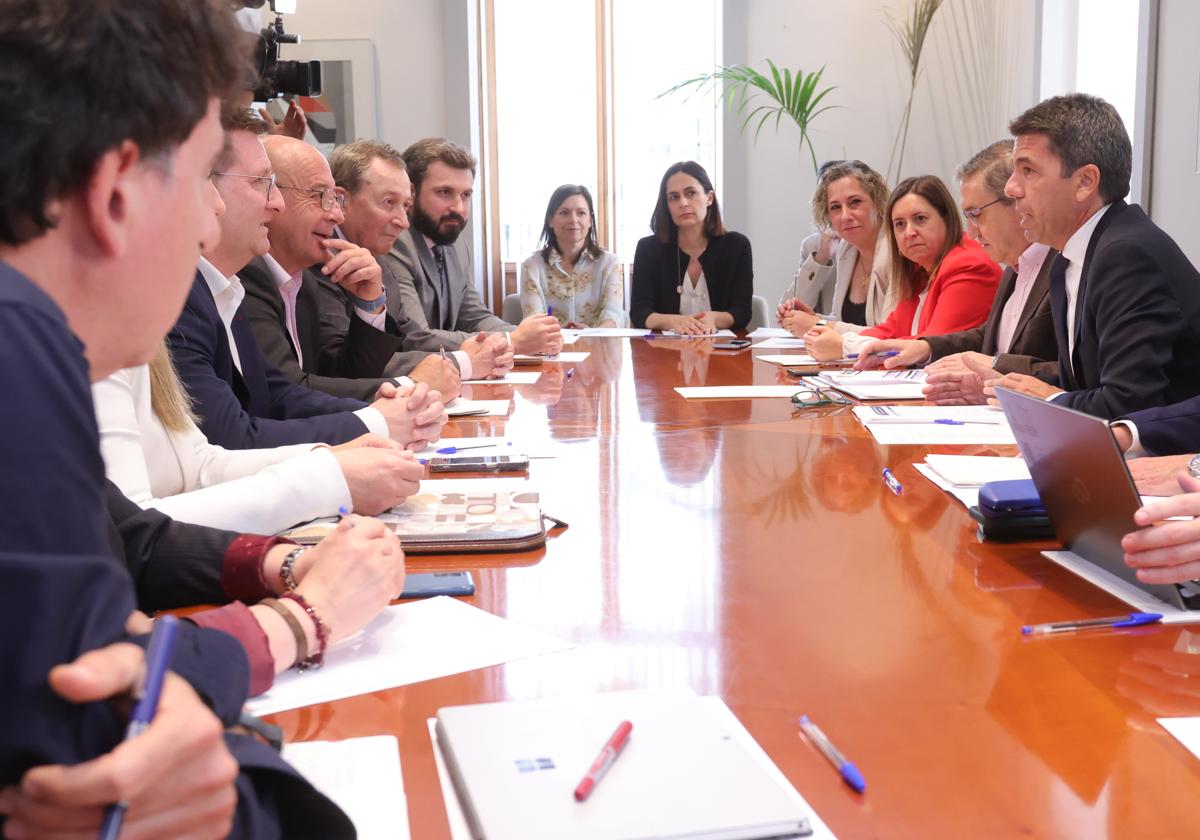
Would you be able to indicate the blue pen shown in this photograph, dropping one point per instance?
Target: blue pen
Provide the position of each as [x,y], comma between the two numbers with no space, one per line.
[890,480]
[1136,619]
[549,310]
[883,354]
[846,769]
[570,373]
[158,657]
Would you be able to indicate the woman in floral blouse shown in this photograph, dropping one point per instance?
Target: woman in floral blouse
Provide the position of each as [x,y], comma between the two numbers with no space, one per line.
[572,277]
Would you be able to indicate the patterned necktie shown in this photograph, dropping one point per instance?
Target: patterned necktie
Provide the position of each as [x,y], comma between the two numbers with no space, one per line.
[1058,307]
[439,257]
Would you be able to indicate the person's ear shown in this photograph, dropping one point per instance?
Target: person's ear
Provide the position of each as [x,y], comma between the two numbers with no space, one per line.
[108,199]
[1087,181]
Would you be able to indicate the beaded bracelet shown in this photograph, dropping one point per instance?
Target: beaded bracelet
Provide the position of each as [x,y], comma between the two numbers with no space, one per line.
[293,624]
[286,574]
[313,660]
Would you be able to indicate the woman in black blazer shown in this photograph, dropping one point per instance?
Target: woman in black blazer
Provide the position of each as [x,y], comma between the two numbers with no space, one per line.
[692,276]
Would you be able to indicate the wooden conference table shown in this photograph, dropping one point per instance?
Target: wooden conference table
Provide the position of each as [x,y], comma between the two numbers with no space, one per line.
[744,550]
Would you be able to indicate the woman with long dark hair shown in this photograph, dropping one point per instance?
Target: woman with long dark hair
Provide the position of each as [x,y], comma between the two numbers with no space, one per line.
[691,276]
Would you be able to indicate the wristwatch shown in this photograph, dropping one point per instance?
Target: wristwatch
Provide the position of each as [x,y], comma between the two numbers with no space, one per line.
[369,305]
[1193,466]
[822,322]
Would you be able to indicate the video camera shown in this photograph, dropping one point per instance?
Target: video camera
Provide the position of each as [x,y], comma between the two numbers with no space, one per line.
[276,77]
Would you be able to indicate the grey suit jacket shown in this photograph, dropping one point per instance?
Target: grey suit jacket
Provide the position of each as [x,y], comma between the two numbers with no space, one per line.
[346,360]
[415,273]
[1034,350]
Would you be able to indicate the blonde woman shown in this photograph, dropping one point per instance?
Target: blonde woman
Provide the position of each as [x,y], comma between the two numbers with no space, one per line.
[851,256]
[158,457]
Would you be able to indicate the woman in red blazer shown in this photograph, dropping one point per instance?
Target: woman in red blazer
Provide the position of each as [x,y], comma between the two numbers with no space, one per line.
[947,281]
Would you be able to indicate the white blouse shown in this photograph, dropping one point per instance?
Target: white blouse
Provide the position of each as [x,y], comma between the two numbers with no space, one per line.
[591,294]
[693,299]
[257,491]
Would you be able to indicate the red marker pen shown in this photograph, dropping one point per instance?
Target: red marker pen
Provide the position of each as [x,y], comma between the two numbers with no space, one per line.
[608,754]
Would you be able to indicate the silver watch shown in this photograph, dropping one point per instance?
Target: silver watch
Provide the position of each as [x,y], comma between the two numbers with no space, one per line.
[1193,466]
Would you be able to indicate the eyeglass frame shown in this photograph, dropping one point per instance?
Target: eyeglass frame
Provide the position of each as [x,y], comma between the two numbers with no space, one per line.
[823,396]
[338,197]
[272,183]
[972,215]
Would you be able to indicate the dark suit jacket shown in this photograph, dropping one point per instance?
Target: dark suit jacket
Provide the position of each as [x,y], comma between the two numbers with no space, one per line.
[349,364]
[1033,350]
[65,593]
[412,271]
[1137,320]
[658,271]
[256,407]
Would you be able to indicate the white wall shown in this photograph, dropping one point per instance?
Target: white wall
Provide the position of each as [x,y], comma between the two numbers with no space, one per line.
[978,74]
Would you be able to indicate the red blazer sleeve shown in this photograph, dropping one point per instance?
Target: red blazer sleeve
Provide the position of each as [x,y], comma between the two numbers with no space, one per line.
[965,287]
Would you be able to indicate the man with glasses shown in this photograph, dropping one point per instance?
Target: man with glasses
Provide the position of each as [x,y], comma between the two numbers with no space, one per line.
[243,401]
[1018,335]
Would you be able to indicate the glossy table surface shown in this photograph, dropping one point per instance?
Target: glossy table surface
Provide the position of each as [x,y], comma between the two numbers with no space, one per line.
[743,549]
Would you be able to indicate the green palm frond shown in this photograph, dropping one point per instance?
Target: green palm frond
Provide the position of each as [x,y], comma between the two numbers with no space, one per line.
[752,96]
[910,34]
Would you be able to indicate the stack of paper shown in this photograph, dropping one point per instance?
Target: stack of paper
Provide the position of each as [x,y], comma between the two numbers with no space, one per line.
[462,407]
[878,384]
[361,775]
[925,424]
[769,332]
[567,358]
[962,475]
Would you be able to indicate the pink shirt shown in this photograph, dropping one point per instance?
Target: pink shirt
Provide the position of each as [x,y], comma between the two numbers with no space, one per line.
[1028,266]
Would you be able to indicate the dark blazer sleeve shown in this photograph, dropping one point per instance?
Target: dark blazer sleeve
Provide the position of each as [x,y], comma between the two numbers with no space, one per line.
[1169,429]
[202,356]
[173,564]
[735,280]
[349,364]
[1130,300]
[646,296]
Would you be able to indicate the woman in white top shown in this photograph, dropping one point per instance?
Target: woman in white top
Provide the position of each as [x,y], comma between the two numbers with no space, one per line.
[155,453]
[851,254]
[572,276]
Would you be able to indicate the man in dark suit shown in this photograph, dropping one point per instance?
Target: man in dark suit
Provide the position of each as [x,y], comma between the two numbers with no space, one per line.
[287,296]
[1018,335]
[432,268]
[1126,301]
[243,401]
[104,204]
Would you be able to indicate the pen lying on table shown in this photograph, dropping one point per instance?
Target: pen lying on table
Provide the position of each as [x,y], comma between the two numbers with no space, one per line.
[1136,619]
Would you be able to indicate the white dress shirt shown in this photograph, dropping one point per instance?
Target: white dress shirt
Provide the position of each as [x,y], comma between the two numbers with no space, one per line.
[1076,251]
[257,491]
[693,299]
[1029,264]
[289,290]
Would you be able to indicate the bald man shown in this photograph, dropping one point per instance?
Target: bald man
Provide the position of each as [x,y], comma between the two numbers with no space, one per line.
[308,266]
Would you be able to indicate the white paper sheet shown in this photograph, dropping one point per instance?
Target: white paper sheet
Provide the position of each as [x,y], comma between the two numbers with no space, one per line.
[874,377]
[769,332]
[927,433]
[787,359]
[569,337]
[513,377]
[470,446]
[361,775]
[566,358]
[459,830]
[717,334]
[969,496]
[1186,731]
[977,470]
[605,332]
[780,343]
[1139,599]
[462,407]
[405,644]
[499,484]
[737,392]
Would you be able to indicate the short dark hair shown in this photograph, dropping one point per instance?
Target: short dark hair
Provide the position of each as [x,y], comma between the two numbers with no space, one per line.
[549,241]
[1083,129]
[661,222]
[930,187]
[80,78]
[349,162]
[419,155]
[235,116]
